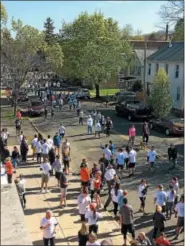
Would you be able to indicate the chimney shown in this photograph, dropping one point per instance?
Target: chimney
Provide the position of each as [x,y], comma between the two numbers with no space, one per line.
[170,41]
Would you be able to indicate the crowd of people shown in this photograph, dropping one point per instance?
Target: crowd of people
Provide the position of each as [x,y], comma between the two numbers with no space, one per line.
[54,156]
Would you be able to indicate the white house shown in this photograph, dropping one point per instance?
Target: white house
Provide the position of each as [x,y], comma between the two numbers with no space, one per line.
[171,58]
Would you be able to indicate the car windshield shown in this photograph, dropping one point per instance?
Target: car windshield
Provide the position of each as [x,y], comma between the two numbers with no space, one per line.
[178,121]
[36,104]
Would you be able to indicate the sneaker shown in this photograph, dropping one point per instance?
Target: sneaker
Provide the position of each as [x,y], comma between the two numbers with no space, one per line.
[42,191]
[47,191]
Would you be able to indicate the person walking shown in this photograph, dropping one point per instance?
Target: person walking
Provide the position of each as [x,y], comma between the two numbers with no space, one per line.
[132,161]
[83,234]
[132,135]
[92,216]
[15,157]
[61,130]
[171,195]
[57,166]
[45,167]
[52,113]
[126,220]
[158,220]
[45,113]
[109,178]
[20,182]
[175,183]
[48,225]
[120,161]
[63,188]
[56,141]
[18,126]
[172,156]
[151,158]
[142,189]
[33,146]
[61,103]
[49,142]
[83,201]
[45,149]
[160,198]
[89,124]
[97,129]
[116,192]
[146,132]
[9,169]
[24,149]
[143,239]
[39,151]
[179,214]
[84,175]
[108,125]
[81,117]
[93,240]
[51,157]
[108,153]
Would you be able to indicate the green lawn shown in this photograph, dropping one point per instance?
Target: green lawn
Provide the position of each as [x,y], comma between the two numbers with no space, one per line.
[105,92]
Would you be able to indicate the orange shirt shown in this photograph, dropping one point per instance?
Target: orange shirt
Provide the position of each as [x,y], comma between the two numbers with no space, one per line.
[85,174]
[162,241]
[9,167]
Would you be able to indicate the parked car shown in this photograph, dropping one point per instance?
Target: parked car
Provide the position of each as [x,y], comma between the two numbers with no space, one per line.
[133,110]
[83,93]
[22,97]
[35,107]
[168,126]
[125,95]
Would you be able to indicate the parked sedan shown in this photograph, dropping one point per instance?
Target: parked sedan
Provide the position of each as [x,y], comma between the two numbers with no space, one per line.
[22,97]
[35,107]
[168,126]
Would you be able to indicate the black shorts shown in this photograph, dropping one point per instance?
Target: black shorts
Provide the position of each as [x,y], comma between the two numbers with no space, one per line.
[120,166]
[66,163]
[62,134]
[127,228]
[180,222]
[131,165]
[57,175]
[85,183]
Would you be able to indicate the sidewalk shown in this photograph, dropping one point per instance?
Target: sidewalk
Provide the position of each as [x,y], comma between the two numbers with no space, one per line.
[68,218]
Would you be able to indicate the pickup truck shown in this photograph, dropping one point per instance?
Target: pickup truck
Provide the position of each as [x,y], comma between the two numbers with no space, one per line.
[133,110]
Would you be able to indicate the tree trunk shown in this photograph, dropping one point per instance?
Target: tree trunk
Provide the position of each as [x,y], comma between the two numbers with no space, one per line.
[97,87]
[15,105]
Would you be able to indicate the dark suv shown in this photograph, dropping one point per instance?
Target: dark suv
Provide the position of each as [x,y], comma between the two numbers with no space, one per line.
[133,110]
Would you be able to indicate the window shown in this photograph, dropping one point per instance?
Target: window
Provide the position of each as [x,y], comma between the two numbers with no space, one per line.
[157,67]
[177,71]
[149,68]
[178,94]
[166,68]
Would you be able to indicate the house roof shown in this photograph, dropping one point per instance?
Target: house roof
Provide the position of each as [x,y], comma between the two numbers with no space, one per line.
[166,53]
[140,44]
[141,54]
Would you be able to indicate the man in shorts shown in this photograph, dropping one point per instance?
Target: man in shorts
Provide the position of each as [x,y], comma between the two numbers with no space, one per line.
[120,161]
[126,220]
[63,188]
[179,212]
[46,169]
[132,161]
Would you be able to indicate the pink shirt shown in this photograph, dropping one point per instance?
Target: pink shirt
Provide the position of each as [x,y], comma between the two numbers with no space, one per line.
[132,132]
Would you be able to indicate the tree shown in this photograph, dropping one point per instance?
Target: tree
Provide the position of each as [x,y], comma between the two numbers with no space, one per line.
[178,34]
[160,98]
[4,15]
[21,54]
[50,37]
[93,49]
[172,11]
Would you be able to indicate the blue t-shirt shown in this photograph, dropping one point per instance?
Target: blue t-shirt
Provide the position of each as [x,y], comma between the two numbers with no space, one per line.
[57,140]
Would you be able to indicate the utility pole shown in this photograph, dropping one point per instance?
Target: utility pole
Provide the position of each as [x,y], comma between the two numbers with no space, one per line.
[144,70]
[167,32]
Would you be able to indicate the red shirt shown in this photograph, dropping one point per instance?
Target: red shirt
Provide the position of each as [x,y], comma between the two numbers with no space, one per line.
[9,167]
[162,241]
[18,115]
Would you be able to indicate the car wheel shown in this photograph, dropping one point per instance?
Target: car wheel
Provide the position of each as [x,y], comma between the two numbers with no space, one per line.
[129,117]
[167,132]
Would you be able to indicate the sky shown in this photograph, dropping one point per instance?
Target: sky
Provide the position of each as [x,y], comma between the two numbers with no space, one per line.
[142,15]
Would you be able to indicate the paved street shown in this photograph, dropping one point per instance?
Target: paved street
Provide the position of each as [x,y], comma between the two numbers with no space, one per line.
[88,146]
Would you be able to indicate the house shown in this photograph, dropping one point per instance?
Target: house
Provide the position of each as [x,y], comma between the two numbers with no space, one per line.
[136,66]
[171,58]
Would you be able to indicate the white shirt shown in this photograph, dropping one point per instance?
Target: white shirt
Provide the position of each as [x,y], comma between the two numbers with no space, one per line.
[96,243]
[48,232]
[98,127]
[108,153]
[45,148]
[114,197]
[61,101]
[20,138]
[61,130]
[22,183]
[46,167]
[151,155]
[140,189]
[90,216]
[109,174]
[121,158]
[161,197]
[90,122]
[179,208]
[171,196]
[83,203]
[132,156]
[4,135]
[39,147]
[50,143]
[34,142]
